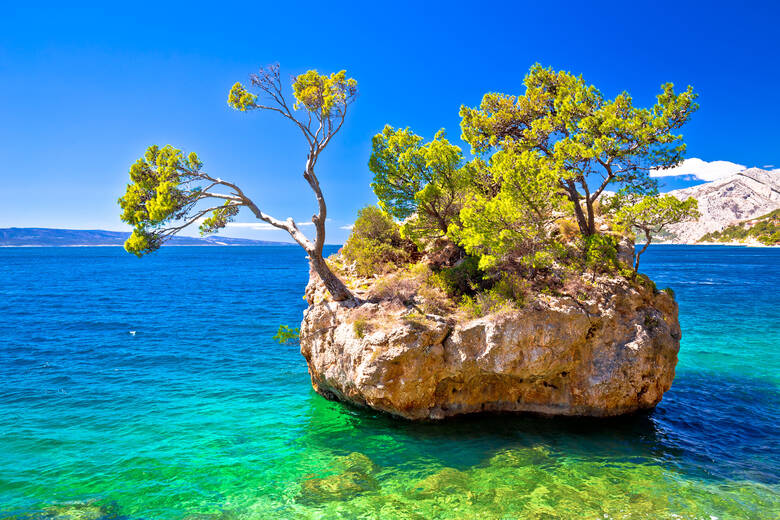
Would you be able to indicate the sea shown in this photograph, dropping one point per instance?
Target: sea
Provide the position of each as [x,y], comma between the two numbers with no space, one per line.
[152,388]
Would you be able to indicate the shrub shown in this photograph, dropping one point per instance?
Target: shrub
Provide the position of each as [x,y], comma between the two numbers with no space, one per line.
[568,229]
[465,277]
[512,287]
[375,244]
[395,285]
[287,334]
[484,303]
[669,291]
[542,260]
[601,253]
[644,281]
[416,320]
[360,327]
[470,306]
[433,300]
[402,284]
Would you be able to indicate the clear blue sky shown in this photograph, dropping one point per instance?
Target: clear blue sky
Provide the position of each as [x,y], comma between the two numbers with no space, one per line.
[84,91]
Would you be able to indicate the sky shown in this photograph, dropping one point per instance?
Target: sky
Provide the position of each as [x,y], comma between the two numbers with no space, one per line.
[85,90]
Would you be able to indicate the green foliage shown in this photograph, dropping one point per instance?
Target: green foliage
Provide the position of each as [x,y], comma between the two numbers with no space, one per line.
[644,281]
[514,223]
[601,253]
[764,229]
[219,218]
[359,327]
[162,198]
[375,243]
[240,98]
[163,190]
[484,303]
[538,153]
[464,277]
[575,132]
[421,182]
[471,306]
[669,291]
[287,334]
[651,214]
[512,287]
[319,93]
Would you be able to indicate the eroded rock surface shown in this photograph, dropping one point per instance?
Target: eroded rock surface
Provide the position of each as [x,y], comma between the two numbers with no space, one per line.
[611,352]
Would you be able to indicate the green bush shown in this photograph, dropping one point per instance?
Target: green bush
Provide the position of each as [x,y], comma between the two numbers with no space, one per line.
[765,229]
[375,244]
[464,278]
[360,327]
[287,334]
[644,281]
[512,287]
[601,253]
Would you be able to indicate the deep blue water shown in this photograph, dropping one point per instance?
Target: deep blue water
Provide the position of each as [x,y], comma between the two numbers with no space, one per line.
[201,412]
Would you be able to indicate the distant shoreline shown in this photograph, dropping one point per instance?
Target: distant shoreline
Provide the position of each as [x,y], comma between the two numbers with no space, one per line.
[727,244]
[279,244]
[54,237]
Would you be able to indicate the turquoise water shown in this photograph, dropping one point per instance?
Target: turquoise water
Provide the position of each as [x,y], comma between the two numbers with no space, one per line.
[200,414]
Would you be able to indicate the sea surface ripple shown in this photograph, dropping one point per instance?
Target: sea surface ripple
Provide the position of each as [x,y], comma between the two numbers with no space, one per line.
[152,389]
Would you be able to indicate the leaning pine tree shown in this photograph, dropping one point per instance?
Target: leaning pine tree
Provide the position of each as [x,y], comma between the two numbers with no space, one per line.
[169,192]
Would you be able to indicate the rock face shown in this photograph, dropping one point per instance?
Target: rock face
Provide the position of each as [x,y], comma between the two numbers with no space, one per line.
[610,353]
[748,194]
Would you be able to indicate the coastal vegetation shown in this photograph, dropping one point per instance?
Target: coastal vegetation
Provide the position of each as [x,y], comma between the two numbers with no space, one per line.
[651,215]
[764,230]
[508,281]
[530,212]
[169,192]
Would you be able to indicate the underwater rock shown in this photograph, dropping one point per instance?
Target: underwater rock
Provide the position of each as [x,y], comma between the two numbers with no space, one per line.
[446,481]
[610,352]
[355,476]
[356,462]
[521,457]
[223,515]
[77,510]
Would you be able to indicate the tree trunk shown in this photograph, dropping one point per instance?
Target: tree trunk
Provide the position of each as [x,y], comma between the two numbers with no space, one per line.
[591,216]
[333,284]
[638,254]
[581,221]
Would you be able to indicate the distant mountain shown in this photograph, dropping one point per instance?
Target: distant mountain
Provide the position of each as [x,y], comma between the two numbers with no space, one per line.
[96,237]
[746,195]
[764,230]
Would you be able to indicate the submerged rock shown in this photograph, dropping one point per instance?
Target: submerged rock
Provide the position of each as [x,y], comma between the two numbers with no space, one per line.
[78,510]
[355,476]
[607,353]
[446,481]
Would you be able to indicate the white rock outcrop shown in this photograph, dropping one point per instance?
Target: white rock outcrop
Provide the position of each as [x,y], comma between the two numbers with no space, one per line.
[746,195]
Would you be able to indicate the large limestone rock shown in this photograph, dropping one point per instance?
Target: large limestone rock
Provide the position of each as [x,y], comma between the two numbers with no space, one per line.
[611,352]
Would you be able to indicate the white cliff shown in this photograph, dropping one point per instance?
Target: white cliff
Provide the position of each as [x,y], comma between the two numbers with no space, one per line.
[748,194]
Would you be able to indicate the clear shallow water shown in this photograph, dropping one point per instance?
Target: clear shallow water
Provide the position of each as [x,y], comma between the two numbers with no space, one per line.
[201,414]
